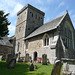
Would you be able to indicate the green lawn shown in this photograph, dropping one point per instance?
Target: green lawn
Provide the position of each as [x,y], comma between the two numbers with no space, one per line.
[23,69]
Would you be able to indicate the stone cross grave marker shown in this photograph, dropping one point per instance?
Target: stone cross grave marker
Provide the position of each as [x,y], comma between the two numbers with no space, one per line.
[12,63]
[44,59]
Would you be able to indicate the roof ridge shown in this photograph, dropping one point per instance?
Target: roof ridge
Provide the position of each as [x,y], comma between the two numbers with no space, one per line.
[60,18]
[53,19]
[63,17]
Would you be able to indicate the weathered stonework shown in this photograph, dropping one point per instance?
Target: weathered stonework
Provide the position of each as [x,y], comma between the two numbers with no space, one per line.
[30,34]
[6,47]
[68,66]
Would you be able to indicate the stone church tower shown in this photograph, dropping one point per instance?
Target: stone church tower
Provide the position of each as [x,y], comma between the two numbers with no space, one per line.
[28,19]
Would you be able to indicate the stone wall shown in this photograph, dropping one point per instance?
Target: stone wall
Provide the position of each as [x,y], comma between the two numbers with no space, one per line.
[27,22]
[34,20]
[68,66]
[35,44]
[67,32]
[5,50]
[21,47]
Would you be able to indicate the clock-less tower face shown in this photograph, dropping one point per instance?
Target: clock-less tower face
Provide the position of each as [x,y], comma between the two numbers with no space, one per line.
[29,18]
[34,20]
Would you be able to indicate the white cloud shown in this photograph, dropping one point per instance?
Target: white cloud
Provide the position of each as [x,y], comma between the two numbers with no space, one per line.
[17,7]
[44,9]
[61,4]
[10,6]
[11,29]
[10,2]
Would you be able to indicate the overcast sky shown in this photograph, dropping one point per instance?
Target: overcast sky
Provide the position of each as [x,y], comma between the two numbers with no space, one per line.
[52,9]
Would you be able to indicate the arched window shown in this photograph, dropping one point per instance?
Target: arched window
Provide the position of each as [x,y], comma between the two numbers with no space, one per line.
[26,44]
[46,40]
[32,14]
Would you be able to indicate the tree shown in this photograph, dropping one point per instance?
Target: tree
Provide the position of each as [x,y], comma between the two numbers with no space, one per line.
[4,24]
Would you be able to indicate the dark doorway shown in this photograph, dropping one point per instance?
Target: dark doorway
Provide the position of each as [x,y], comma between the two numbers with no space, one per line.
[35,55]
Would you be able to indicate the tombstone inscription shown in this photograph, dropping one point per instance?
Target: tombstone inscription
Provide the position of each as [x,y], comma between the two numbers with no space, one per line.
[44,59]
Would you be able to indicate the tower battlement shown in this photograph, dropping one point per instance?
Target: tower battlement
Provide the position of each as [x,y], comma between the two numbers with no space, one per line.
[29,6]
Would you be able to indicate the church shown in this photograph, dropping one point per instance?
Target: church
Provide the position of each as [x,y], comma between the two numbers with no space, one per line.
[55,38]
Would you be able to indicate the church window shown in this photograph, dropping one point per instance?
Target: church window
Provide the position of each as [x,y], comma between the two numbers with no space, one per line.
[28,28]
[18,46]
[26,44]
[32,14]
[46,40]
[19,29]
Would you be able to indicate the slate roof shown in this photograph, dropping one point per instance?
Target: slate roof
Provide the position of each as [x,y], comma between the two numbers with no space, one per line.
[47,27]
[5,41]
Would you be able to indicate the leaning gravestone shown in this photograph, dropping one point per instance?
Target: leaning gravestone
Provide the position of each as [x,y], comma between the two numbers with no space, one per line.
[44,59]
[31,67]
[12,63]
[27,58]
[57,68]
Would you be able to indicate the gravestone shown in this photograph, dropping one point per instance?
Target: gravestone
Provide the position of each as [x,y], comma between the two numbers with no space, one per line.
[65,67]
[31,67]
[3,57]
[68,66]
[27,58]
[19,57]
[12,63]
[57,68]
[9,57]
[44,59]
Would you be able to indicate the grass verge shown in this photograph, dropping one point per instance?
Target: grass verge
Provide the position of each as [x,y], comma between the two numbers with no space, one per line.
[23,69]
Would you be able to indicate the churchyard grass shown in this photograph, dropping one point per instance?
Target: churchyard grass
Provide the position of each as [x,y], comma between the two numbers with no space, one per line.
[23,69]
